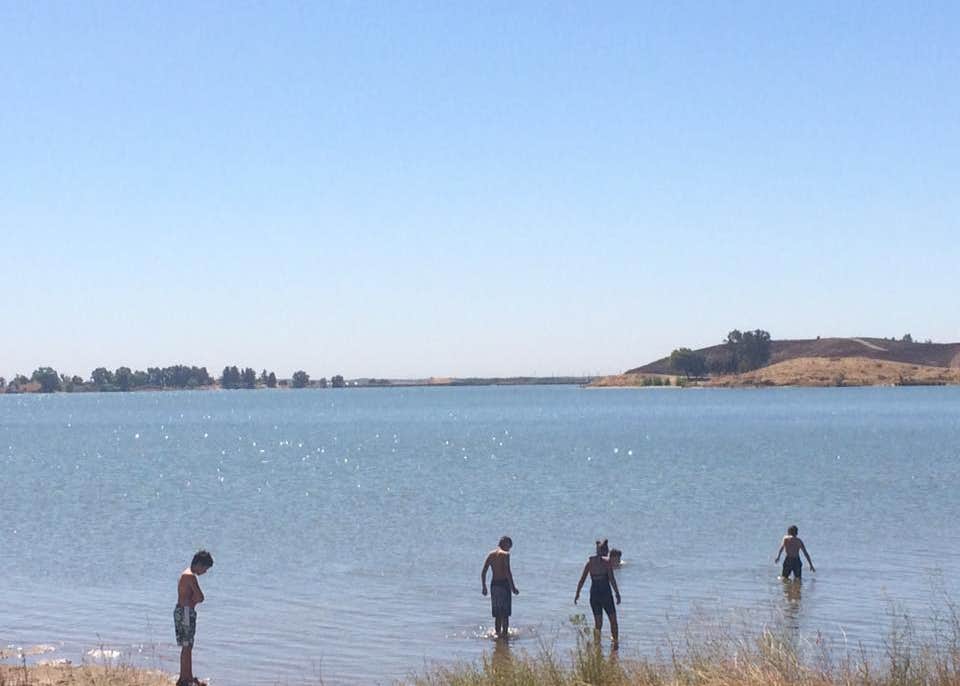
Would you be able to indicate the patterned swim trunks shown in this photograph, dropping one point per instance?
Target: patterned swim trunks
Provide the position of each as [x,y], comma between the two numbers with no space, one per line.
[184,631]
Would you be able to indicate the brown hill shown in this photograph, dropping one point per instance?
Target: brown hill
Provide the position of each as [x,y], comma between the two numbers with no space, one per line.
[841,371]
[925,354]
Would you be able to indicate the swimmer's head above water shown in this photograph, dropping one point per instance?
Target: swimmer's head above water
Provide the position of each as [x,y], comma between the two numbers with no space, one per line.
[505,543]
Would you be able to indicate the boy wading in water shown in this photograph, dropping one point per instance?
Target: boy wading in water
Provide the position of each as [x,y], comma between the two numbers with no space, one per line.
[793,546]
[501,585]
[189,596]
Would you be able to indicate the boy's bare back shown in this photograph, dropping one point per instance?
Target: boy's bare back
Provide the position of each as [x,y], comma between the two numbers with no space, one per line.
[792,545]
[499,562]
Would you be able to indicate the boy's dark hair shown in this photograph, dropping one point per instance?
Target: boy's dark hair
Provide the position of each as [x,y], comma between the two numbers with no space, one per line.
[792,530]
[616,552]
[602,547]
[505,541]
[202,559]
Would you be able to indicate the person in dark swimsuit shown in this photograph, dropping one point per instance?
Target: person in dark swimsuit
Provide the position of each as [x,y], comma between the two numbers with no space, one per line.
[603,587]
[793,546]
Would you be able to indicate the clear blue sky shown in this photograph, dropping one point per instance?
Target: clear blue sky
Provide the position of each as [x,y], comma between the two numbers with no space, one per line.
[407,189]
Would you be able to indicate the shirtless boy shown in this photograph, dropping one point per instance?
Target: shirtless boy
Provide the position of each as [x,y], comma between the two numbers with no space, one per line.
[793,546]
[501,584]
[189,596]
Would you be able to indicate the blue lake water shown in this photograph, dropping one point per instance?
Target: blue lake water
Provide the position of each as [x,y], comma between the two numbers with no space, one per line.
[349,526]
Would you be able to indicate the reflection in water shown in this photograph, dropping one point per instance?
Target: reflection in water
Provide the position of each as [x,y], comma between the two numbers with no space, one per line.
[502,659]
[791,604]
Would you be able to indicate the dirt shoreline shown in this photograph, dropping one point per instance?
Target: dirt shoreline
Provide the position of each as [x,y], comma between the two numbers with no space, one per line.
[812,372]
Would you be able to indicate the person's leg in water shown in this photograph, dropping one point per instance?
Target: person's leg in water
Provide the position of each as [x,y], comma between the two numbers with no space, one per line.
[498,624]
[597,623]
[614,628]
[505,624]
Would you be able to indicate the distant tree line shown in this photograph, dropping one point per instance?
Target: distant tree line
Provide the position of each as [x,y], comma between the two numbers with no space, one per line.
[742,351]
[48,380]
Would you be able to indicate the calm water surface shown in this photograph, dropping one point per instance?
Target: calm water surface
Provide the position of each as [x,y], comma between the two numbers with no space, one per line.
[349,526]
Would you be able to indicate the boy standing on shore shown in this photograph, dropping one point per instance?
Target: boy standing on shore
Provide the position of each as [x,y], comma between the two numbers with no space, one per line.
[793,546]
[189,596]
[501,584]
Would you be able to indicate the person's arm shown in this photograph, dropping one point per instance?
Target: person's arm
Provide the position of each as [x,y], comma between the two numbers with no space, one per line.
[807,555]
[198,594]
[483,575]
[779,553]
[613,582]
[516,591]
[583,577]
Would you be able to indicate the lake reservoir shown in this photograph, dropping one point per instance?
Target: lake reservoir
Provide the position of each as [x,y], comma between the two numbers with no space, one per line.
[349,526]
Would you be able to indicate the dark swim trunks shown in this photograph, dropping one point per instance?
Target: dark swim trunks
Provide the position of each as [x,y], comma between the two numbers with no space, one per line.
[792,564]
[601,596]
[185,627]
[501,602]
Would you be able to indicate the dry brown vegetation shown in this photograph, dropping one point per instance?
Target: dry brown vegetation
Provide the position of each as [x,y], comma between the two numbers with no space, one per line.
[630,380]
[840,371]
[86,675]
[814,371]
[768,659]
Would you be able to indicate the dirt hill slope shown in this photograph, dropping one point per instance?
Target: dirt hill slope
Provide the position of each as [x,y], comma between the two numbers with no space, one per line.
[841,371]
[926,354]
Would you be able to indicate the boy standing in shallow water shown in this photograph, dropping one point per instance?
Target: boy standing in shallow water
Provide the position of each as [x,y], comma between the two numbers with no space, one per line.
[793,546]
[501,584]
[189,596]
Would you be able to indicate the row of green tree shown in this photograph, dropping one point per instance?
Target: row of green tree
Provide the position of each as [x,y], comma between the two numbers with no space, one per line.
[742,351]
[176,377]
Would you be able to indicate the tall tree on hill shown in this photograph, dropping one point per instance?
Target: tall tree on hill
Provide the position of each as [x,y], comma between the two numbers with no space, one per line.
[249,378]
[337,381]
[749,349]
[300,379]
[687,362]
[271,380]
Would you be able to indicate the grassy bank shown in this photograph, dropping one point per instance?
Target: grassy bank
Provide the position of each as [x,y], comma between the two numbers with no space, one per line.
[766,659]
[86,675]
[713,657]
